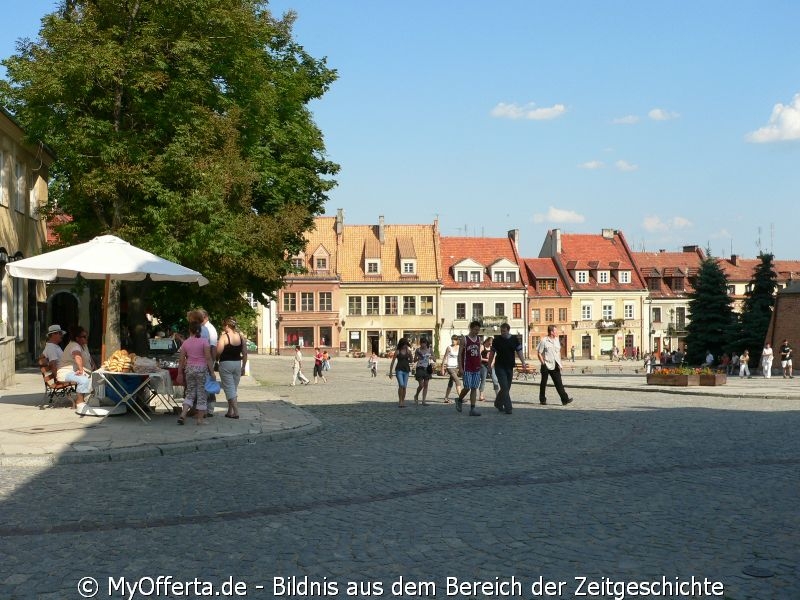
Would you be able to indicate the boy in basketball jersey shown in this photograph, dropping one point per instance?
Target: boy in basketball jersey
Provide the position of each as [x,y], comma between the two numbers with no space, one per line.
[469,364]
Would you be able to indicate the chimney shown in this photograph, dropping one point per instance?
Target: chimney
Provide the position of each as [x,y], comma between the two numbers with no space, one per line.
[381,232]
[556,239]
[513,235]
[339,221]
[735,260]
[662,250]
[690,248]
[608,234]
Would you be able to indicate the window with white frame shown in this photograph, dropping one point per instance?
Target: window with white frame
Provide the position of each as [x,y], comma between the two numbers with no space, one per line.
[499,277]
[536,315]
[19,188]
[426,305]
[475,277]
[297,263]
[608,311]
[656,315]
[586,311]
[602,276]
[409,305]
[477,311]
[326,301]
[251,300]
[581,276]
[390,305]
[289,302]
[628,311]
[499,309]
[461,310]
[307,301]
[624,276]
[321,263]
[354,305]
[511,276]
[33,199]
[373,305]
[461,276]
[409,267]
[373,267]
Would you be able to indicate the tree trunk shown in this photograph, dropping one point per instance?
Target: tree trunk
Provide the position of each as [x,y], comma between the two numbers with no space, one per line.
[138,294]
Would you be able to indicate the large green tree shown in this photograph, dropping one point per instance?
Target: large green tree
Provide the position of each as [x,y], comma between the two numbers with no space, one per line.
[757,310]
[182,127]
[710,312]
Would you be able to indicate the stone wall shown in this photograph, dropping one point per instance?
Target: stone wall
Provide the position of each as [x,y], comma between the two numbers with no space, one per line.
[7,367]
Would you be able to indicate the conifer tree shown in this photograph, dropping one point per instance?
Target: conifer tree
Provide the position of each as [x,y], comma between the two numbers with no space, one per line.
[757,310]
[710,312]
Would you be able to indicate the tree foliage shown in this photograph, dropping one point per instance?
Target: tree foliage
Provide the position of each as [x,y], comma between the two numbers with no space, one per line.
[710,312]
[757,310]
[182,127]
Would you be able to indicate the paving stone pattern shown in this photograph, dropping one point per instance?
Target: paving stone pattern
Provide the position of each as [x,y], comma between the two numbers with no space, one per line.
[626,485]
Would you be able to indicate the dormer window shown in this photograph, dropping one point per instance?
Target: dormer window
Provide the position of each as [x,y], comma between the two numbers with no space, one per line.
[321,263]
[409,267]
[297,263]
[582,276]
[475,276]
[373,267]
[624,276]
[499,277]
[603,277]
[461,276]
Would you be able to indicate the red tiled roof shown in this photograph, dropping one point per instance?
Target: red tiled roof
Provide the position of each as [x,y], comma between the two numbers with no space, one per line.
[485,251]
[591,252]
[544,268]
[666,265]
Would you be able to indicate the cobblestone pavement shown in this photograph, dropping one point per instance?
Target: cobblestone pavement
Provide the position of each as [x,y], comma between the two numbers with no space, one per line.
[626,486]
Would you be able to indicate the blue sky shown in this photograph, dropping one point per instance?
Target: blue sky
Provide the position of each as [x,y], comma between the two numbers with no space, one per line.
[675,122]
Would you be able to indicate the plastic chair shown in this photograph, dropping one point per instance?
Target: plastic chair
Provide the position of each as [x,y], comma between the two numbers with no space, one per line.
[54,389]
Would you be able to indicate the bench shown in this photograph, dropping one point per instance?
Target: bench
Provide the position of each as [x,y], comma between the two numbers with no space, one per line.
[523,374]
[615,368]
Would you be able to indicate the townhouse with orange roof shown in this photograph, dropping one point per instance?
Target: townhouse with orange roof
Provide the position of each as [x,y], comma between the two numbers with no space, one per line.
[607,290]
[390,283]
[308,307]
[482,281]
[669,277]
[549,302]
[739,272]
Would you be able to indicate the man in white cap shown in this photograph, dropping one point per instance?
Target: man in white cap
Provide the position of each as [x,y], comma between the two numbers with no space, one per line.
[52,351]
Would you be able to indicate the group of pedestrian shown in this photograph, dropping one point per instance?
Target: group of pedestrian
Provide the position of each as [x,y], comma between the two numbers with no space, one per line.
[767,358]
[204,353]
[472,361]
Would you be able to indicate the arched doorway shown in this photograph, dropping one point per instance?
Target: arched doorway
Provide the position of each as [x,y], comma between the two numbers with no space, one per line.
[64,311]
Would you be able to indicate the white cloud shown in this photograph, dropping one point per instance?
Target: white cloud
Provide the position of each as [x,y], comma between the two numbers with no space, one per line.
[653,224]
[592,164]
[528,111]
[681,223]
[624,165]
[659,114]
[784,124]
[559,215]
[626,120]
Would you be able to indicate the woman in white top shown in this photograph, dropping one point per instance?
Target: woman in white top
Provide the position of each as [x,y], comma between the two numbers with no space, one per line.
[76,364]
[450,364]
[766,360]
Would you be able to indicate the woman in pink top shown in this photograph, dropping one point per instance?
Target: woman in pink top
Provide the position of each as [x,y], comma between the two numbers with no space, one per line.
[195,363]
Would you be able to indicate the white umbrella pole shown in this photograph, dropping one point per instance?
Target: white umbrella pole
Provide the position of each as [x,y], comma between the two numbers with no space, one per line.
[106,295]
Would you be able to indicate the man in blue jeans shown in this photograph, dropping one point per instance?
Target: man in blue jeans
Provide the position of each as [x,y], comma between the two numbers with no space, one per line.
[501,358]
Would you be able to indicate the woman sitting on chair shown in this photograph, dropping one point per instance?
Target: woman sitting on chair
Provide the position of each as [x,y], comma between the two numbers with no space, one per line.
[76,365]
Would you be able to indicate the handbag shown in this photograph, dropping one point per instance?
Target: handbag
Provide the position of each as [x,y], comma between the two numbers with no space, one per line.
[211,385]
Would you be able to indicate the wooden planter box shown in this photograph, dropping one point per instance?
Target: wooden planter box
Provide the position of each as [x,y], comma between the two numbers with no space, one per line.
[713,379]
[673,380]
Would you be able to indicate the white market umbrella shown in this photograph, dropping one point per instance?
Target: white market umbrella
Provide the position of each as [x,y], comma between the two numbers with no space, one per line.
[105,257]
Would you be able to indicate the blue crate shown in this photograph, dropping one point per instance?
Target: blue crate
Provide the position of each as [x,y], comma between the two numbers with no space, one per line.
[123,381]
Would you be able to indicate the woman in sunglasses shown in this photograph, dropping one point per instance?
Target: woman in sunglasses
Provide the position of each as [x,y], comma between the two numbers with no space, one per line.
[76,364]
